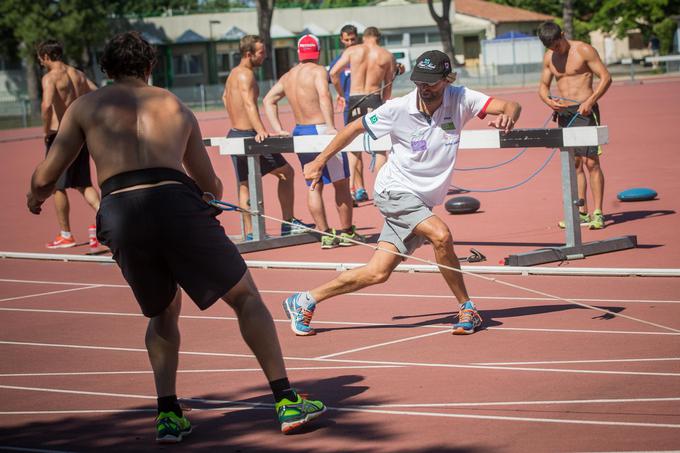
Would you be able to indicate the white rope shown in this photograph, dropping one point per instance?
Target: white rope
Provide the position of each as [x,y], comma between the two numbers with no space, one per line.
[216,203]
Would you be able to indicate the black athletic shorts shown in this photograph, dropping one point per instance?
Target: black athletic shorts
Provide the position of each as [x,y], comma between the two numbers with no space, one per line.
[268,162]
[78,174]
[360,105]
[166,236]
[564,118]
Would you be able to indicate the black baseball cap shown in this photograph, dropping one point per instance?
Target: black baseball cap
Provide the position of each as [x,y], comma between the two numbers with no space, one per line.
[430,67]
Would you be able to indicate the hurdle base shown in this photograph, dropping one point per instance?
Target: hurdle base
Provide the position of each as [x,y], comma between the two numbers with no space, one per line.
[565,253]
[276,242]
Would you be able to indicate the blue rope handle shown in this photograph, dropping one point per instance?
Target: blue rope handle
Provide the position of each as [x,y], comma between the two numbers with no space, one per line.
[221,205]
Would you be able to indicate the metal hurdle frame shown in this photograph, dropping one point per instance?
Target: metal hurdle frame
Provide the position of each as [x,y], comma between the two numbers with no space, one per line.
[562,138]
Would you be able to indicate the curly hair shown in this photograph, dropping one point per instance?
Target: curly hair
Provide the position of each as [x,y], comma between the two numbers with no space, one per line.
[52,48]
[128,54]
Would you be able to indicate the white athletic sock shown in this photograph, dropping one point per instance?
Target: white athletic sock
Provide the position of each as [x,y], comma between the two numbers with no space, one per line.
[306,300]
[66,234]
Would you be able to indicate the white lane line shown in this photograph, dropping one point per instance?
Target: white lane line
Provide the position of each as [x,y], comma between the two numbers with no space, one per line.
[374,411]
[343,323]
[553,362]
[527,403]
[401,340]
[369,362]
[368,294]
[565,421]
[7,299]
[218,370]
[33,450]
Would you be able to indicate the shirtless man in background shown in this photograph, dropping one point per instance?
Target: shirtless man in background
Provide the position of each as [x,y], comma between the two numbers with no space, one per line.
[61,85]
[240,99]
[373,70]
[306,88]
[144,141]
[573,64]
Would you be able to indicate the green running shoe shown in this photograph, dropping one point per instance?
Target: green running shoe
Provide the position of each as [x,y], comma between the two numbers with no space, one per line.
[354,236]
[170,429]
[330,240]
[584,217]
[598,220]
[294,414]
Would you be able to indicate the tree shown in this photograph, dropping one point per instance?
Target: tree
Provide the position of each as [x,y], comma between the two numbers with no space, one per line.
[444,26]
[78,24]
[568,18]
[265,11]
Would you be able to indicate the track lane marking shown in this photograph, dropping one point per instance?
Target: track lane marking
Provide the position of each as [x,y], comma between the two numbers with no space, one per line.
[355,361]
[364,410]
[341,323]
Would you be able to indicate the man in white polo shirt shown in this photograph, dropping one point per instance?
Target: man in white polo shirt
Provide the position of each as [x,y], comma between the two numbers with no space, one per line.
[425,128]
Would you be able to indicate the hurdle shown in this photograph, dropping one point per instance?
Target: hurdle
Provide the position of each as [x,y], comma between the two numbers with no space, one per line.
[563,138]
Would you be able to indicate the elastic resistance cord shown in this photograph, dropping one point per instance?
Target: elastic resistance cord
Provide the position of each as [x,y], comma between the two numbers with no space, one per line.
[545,123]
[222,205]
[526,180]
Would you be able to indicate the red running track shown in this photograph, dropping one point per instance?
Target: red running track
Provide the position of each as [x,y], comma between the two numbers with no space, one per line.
[543,374]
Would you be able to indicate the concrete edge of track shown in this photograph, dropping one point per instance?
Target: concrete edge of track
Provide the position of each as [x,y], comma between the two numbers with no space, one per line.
[516,270]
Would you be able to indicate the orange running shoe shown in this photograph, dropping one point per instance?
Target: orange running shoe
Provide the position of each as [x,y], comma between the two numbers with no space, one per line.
[61,242]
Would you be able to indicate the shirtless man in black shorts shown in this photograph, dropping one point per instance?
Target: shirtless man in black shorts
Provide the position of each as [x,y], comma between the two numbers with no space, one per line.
[573,64]
[148,151]
[61,85]
[373,69]
[240,99]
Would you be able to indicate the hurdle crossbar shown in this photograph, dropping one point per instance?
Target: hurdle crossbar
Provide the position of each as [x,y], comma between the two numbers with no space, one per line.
[563,138]
[469,139]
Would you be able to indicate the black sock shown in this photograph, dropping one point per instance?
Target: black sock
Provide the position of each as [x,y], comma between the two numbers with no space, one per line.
[169,404]
[281,389]
[349,230]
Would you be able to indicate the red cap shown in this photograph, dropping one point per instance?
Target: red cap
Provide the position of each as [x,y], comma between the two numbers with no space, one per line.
[308,48]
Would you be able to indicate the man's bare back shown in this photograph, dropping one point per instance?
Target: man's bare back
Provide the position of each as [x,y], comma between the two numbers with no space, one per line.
[372,67]
[304,86]
[62,85]
[129,126]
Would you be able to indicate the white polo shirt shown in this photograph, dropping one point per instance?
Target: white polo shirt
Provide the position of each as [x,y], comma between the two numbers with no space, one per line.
[423,153]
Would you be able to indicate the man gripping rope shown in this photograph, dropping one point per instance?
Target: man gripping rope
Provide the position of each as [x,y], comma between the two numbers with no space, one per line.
[162,233]
[425,128]
[573,64]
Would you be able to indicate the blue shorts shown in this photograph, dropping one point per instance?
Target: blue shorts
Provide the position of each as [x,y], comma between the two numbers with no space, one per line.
[336,169]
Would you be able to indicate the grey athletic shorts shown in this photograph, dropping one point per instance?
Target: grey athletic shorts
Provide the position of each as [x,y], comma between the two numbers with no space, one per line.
[403,211]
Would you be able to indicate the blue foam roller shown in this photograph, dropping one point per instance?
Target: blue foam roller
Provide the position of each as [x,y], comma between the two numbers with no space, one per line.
[637,194]
[462,205]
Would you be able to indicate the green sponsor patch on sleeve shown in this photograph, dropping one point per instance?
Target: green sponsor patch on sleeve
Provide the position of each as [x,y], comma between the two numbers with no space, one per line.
[373,119]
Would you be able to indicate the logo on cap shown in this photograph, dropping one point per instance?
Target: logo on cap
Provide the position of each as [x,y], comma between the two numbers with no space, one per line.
[308,48]
[426,64]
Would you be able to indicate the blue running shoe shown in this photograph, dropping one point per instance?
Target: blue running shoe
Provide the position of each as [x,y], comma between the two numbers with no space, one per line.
[361,195]
[297,227]
[468,320]
[299,317]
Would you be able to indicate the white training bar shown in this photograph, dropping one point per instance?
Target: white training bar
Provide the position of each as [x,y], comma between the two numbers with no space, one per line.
[304,265]
[469,139]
